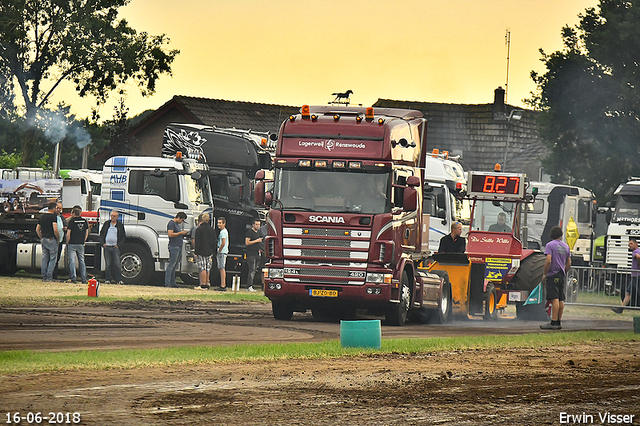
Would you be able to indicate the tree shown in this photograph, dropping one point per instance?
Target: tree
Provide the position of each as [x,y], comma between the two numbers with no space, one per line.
[46,42]
[590,99]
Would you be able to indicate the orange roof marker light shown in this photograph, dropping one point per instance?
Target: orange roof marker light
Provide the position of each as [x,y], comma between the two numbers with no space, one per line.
[369,114]
[305,112]
[446,154]
[435,152]
[497,167]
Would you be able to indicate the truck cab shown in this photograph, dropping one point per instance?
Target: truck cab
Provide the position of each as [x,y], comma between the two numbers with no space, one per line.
[345,229]
[625,222]
[444,180]
[233,156]
[148,192]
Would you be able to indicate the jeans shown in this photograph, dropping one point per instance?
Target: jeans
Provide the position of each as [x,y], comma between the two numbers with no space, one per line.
[49,256]
[112,264]
[72,251]
[175,253]
[253,263]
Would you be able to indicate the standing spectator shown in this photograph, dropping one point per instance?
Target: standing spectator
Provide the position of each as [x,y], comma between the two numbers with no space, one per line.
[204,248]
[77,234]
[632,289]
[49,234]
[112,237]
[223,250]
[62,230]
[555,268]
[253,242]
[176,235]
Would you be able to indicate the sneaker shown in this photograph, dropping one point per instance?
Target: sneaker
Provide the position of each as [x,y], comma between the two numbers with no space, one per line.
[617,310]
[221,289]
[107,282]
[120,283]
[201,287]
[251,289]
[551,327]
[70,281]
[85,282]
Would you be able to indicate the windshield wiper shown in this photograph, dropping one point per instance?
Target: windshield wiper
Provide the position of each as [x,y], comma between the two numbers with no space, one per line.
[303,209]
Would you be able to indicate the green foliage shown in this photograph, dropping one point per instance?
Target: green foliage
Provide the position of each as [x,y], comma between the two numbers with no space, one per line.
[590,99]
[9,161]
[45,42]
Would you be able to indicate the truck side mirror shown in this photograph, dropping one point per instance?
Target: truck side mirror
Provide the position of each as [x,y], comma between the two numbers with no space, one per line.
[413,181]
[608,215]
[410,200]
[258,192]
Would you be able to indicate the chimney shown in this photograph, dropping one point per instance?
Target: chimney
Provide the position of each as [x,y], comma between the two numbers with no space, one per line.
[499,109]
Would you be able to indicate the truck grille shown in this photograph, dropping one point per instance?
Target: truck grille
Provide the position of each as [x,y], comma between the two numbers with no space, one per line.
[325,256]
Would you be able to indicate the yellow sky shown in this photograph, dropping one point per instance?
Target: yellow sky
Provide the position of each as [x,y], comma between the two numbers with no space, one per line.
[297,52]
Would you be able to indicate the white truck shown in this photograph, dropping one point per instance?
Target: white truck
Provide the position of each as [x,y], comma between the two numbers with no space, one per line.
[562,205]
[148,192]
[624,223]
[444,178]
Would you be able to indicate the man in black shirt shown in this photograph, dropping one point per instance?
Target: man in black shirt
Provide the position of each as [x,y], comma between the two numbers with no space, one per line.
[253,241]
[453,242]
[49,234]
[77,234]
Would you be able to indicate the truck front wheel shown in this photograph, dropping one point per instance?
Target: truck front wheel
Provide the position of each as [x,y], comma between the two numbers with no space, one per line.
[397,313]
[136,264]
[490,302]
[282,311]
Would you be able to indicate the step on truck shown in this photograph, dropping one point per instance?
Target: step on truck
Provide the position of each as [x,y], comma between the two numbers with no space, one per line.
[345,229]
[147,192]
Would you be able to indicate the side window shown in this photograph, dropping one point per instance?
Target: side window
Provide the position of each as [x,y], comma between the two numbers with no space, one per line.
[143,182]
[536,207]
[219,187]
[583,210]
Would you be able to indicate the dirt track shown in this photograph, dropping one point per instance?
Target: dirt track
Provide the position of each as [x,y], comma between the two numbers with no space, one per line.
[511,387]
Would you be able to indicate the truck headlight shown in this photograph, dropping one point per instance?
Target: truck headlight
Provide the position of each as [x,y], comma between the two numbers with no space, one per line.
[276,273]
[376,278]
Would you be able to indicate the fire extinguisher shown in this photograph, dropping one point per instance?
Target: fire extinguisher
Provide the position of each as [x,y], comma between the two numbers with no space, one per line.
[94,287]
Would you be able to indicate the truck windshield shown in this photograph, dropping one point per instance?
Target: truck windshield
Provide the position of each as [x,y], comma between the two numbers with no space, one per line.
[493,216]
[332,191]
[627,209]
[198,191]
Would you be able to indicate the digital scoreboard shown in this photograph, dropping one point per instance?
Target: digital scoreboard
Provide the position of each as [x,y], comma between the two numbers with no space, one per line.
[500,185]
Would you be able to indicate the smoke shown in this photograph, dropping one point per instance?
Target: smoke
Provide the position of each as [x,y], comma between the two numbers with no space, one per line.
[56,128]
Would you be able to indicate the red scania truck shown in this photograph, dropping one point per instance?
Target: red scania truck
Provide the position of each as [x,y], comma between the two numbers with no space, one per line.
[345,229]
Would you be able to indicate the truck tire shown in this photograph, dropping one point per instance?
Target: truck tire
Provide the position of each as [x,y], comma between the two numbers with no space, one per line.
[443,313]
[282,311]
[136,264]
[397,313]
[490,303]
[529,275]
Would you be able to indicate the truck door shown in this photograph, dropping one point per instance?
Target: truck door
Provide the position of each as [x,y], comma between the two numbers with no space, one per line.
[154,194]
[435,203]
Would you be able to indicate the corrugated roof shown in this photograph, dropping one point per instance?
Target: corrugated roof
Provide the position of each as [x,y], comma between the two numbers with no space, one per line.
[241,115]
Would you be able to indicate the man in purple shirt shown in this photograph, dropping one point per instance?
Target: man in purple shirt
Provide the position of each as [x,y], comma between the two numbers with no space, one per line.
[632,287]
[555,267]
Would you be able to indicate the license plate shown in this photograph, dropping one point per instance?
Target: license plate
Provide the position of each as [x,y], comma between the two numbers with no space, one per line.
[323,293]
[515,297]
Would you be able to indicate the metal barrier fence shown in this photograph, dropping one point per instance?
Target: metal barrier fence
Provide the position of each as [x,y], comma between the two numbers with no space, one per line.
[595,286]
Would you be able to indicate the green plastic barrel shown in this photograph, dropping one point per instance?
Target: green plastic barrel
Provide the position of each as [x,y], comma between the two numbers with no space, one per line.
[361,334]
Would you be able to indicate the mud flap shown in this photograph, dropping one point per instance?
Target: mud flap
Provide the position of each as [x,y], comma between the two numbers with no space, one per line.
[535,297]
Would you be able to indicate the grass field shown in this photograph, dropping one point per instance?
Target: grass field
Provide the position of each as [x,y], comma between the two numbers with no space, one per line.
[32,361]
